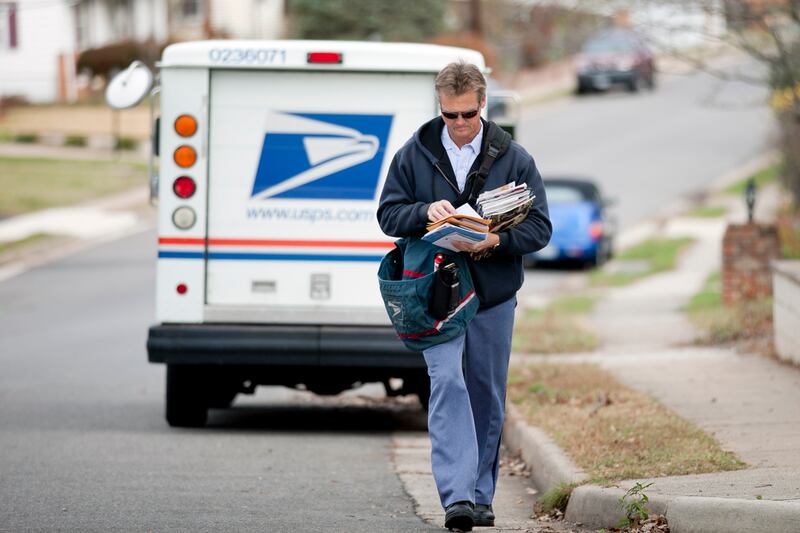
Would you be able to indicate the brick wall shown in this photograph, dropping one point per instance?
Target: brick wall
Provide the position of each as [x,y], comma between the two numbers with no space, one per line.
[747,250]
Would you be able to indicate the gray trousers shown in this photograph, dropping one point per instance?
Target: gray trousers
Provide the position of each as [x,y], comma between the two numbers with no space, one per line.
[465,414]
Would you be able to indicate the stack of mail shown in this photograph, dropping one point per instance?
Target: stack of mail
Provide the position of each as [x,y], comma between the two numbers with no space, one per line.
[506,205]
[465,226]
[504,199]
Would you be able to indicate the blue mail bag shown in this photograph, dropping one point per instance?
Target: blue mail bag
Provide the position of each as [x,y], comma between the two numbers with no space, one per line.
[407,282]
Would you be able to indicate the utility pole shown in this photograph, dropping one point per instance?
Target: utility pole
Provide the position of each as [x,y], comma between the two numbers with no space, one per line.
[475,21]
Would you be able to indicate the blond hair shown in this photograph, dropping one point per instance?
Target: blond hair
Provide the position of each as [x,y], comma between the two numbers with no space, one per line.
[459,78]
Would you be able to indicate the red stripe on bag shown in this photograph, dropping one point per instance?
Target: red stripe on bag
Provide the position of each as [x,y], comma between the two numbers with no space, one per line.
[433,331]
[413,274]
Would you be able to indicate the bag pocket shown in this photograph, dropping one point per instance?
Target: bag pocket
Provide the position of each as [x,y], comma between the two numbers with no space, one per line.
[444,290]
[406,304]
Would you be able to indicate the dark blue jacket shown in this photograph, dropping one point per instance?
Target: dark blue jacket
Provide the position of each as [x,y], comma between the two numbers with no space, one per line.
[421,174]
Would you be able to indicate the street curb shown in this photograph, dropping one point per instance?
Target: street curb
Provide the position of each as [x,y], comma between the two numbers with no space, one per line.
[19,261]
[598,507]
[688,514]
[550,466]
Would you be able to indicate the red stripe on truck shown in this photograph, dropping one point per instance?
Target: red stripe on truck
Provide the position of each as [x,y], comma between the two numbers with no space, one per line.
[273,242]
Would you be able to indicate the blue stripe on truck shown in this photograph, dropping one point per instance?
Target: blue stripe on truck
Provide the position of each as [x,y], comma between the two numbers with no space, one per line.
[268,257]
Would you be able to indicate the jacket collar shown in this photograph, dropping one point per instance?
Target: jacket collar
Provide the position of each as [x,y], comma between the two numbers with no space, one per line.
[429,139]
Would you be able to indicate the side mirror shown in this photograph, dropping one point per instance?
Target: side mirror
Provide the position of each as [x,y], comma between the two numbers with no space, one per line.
[608,202]
[503,107]
[130,86]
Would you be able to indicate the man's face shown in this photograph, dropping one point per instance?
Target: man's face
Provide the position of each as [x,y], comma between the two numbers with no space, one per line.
[462,130]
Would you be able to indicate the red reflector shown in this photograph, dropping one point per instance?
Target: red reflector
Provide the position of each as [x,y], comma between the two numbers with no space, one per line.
[324,57]
[596,230]
[182,288]
[184,187]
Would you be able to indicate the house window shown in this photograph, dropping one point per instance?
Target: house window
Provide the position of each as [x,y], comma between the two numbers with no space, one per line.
[122,18]
[9,38]
[82,35]
[189,8]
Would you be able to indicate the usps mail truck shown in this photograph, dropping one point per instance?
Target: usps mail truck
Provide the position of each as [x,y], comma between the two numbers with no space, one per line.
[272,156]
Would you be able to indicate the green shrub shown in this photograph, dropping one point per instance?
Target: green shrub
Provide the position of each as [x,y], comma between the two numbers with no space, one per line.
[75,140]
[126,143]
[26,138]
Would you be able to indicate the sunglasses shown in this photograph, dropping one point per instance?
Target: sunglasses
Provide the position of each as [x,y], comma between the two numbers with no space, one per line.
[452,115]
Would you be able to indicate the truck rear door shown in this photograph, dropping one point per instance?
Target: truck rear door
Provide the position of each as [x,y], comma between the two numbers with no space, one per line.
[297,161]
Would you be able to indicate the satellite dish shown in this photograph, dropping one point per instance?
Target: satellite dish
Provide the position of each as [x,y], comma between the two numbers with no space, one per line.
[130,86]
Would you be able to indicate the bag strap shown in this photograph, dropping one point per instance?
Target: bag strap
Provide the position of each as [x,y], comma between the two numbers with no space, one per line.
[498,142]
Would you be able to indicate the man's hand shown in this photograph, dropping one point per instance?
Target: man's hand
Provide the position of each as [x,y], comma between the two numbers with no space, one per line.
[439,210]
[492,240]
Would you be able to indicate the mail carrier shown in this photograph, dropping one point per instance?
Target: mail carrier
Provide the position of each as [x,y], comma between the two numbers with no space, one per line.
[272,156]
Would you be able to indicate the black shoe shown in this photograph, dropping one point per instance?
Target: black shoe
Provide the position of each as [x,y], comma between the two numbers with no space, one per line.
[484,515]
[459,516]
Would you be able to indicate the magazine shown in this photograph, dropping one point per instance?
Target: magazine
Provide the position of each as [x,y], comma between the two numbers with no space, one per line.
[446,235]
[504,207]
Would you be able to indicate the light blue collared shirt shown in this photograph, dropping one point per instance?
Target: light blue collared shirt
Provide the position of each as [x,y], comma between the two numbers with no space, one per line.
[462,159]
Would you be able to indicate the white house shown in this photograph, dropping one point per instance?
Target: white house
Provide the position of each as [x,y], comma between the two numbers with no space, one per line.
[41,39]
[37,50]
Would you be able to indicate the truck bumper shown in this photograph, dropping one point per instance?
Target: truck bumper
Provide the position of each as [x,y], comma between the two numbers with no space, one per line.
[273,345]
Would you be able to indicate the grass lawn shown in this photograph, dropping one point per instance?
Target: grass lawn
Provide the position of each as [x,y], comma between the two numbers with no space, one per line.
[727,323]
[10,246]
[29,184]
[658,254]
[555,329]
[762,177]
[610,431]
[707,212]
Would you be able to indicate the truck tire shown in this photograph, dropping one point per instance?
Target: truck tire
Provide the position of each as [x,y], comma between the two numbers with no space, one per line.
[186,404]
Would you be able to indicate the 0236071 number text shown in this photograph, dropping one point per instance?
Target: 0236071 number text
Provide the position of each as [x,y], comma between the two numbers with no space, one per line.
[247,56]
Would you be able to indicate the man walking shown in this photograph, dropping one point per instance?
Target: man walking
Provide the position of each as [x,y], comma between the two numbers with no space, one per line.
[468,373]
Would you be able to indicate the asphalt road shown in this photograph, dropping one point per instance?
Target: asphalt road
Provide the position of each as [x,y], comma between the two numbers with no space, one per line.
[84,446]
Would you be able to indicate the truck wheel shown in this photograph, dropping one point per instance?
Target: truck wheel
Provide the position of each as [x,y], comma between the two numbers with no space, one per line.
[185,402]
[221,399]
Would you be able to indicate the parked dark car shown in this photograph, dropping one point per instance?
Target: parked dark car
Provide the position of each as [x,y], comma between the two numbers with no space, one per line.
[615,57]
[583,229]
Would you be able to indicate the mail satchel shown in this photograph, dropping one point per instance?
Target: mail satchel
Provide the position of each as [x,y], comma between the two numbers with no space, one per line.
[428,301]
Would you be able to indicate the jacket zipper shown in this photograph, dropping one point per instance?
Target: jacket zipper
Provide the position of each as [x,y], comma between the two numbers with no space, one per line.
[455,187]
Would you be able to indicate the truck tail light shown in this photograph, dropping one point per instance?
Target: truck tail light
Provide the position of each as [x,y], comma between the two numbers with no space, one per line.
[182,288]
[185,125]
[185,156]
[184,217]
[184,187]
[329,58]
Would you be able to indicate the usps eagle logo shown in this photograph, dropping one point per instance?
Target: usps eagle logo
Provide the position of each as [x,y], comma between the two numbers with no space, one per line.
[321,156]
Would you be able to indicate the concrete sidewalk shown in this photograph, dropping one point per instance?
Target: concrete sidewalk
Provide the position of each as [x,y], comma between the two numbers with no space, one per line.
[748,402]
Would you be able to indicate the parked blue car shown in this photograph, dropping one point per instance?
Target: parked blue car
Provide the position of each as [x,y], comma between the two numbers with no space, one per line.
[583,230]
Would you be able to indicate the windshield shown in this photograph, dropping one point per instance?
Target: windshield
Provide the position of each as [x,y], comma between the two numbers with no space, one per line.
[558,194]
[610,43]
